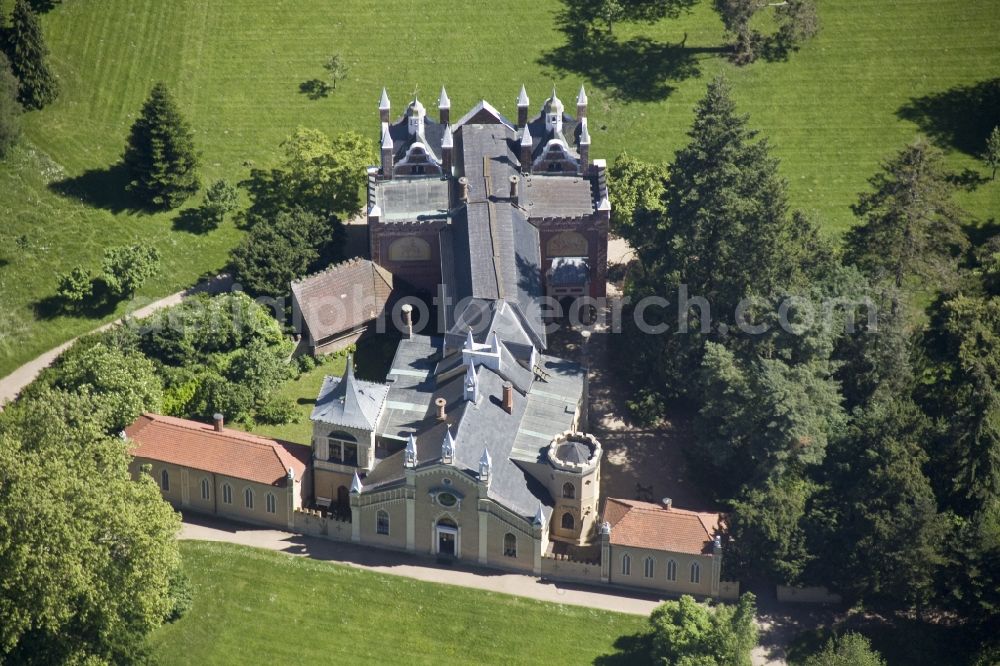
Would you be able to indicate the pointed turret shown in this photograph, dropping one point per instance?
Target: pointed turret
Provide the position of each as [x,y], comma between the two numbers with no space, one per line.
[554,113]
[470,344]
[447,146]
[471,384]
[384,106]
[356,486]
[526,146]
[522,107]
[448,447]
[415,114]
[581,104]
[444,107]
[485,466]
[539,517]
[410,456]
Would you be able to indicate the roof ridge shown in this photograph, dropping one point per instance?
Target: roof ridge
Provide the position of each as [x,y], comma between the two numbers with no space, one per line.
[206,428]
[347,262]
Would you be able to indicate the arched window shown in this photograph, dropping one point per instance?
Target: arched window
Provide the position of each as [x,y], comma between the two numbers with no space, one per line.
[165,480]
[626,565]
[569,490]
[647,567]
[271,503]
[248,498]
[567,521]
[382,522]
[695,573]
[227,493]
[509,545]
[671,570]
[205,491]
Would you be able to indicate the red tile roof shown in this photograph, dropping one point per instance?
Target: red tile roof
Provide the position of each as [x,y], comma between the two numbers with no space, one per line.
[342,297]
[645,525]
[230,452]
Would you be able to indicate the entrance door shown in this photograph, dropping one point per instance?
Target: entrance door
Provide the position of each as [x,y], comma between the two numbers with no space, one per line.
[446,544]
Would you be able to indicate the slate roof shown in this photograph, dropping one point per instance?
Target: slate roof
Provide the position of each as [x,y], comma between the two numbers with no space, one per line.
[341,297]
[348,401]
[645,525]
[231,452]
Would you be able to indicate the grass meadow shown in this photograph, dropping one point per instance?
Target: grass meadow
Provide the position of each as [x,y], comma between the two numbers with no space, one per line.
[256,606]
[878,74]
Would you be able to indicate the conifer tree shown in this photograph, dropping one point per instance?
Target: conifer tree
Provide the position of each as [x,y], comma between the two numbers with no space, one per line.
[26,46]
[10,108]
[160,154]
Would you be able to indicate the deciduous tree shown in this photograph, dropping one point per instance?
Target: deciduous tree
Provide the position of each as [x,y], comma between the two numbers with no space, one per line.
[277,251]
[636,189]
[684,632]
[851,649]
[221,199]
[126,268]
[160,154]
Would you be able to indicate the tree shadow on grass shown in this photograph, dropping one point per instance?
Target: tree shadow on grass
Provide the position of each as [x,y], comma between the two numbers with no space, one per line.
[960,117]
[193,221]
[100,188]
[97,306]
[629,650]
[637,69]
[315,88]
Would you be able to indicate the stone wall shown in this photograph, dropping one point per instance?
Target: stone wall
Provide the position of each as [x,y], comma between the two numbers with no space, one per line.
[563,568]
[729,590]
[318,524]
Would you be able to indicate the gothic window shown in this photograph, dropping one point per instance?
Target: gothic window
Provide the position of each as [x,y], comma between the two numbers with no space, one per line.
[382,522]
[567,521]
[671,570]
[271,503]
[165,480]
[227,494]
[205,493]
[509,545]
[569,491]
[695,573]
[248,498]
[647,568]
[626,565]
[342,448]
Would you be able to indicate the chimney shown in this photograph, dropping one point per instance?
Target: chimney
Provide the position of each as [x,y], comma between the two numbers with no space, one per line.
[508,397]
[444,107]
[463,188]
[513,187]
[522,107]
[440,403]
[667,503]
[408,319]
[217,418]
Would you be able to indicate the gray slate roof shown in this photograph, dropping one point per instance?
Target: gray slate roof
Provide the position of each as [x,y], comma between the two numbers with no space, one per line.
[348,401]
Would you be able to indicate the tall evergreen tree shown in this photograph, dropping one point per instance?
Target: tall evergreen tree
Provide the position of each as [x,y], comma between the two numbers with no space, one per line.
[160,154]
[911,226]
[10,108]
[28,53]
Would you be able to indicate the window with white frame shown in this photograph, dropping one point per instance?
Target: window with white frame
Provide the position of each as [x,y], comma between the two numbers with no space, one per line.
[164,480]
[227,493]
[272,505]
[342,448]
[382,522]
[248,498]
[647,567]
[626,565]
[695,573]
[671,570]
[205,489]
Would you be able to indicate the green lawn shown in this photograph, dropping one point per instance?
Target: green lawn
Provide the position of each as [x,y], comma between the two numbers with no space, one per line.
[255,606]
[832,112]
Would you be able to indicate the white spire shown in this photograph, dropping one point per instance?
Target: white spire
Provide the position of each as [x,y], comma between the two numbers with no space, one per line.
[539,516]
[471,384]
[383,104]
[526,137]
[443,101]
[447,141]
[485,466]
[356,485]
[410,459]
[494,343]
[522,97]
[470,344]
[581,98]
[447,447]
[386,137]
[584,133]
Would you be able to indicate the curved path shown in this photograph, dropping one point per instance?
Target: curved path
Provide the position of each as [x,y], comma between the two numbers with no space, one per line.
[11,385]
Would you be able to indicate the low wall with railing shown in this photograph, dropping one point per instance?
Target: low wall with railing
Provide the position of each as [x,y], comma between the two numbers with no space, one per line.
[566,568]
[317,523]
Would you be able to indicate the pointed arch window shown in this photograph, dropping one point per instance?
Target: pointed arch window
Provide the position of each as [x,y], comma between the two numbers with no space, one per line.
[248,498]
[569,490]
[165,481]
[205,489]
[270,503]
[695,572]
[647,567]
[567,521]
[509,545]
[626,565]
[671,570]
[227,493]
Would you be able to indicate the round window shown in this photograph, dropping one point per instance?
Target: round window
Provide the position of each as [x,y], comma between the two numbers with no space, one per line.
[447,499]
[446,482]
